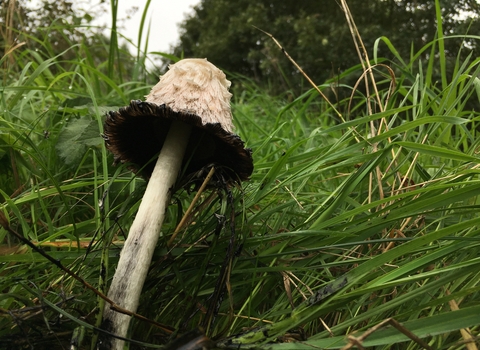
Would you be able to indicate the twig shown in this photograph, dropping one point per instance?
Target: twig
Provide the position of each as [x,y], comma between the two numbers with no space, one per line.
[466,333]
[362,53]
[357,341]
[190,208]
[31,311]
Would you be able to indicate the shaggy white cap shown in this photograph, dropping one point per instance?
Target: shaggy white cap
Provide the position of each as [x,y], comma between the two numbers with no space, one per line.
[197,87]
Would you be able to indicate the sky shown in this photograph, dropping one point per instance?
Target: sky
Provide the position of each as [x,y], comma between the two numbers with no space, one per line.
[163,16]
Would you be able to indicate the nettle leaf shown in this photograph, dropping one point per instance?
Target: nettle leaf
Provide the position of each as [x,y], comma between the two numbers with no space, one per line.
[77,135]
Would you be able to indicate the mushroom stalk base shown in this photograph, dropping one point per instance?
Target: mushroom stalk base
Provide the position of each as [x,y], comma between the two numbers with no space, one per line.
[137,252]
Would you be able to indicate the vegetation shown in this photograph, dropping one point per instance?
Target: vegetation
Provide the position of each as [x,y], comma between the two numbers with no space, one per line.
[346,222]
[316,35]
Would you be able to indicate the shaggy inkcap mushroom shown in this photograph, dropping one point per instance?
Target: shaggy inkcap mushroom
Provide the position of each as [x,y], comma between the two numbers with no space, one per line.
[186,120]
[195,92]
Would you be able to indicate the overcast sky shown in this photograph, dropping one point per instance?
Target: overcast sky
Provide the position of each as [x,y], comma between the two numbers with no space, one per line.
[164,17]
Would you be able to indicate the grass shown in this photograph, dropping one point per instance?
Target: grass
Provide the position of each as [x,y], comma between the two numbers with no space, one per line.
[343,225]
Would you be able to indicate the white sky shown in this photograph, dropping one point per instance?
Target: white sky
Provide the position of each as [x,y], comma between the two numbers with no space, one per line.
[163,16]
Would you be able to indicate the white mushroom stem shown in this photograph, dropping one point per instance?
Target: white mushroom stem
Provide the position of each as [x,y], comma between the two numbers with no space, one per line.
[137,252]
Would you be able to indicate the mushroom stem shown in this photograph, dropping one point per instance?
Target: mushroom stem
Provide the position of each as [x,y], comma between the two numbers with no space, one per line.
[137,252]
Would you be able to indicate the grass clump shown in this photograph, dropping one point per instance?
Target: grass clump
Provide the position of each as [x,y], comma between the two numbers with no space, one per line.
[343,226]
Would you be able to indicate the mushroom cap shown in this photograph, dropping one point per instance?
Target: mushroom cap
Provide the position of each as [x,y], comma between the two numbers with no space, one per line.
[195,86]
[195,92]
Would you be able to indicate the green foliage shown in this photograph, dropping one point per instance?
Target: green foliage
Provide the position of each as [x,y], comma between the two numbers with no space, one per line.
[76,137]
[315,34]
[55,171]
[342,226]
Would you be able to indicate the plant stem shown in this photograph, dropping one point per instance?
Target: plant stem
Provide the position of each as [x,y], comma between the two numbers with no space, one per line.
[142,238]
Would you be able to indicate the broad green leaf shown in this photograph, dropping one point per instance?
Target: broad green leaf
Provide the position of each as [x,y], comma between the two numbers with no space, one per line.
[77,135]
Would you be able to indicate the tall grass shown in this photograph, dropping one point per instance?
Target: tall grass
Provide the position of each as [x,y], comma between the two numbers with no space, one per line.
[342,226]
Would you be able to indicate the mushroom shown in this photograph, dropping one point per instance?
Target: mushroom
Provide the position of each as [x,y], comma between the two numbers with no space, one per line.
[187,120]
